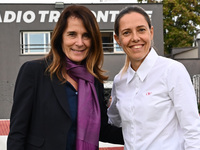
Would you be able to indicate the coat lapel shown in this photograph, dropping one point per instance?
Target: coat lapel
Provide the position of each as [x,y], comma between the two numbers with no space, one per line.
[60,93]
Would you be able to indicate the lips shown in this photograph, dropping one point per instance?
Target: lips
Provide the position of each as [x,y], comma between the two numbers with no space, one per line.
[78,50]
[136,46]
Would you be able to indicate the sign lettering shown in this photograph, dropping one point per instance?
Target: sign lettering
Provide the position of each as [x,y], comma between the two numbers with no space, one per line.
[52,16]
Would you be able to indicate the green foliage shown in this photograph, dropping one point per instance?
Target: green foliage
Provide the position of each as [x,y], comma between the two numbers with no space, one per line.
[180,19]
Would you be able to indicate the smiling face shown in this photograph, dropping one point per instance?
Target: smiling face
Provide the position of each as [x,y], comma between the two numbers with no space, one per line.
[76,41]
[134,37]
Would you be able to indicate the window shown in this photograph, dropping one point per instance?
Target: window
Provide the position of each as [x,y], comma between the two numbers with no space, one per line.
[35,42]
[38,42]
[109,44]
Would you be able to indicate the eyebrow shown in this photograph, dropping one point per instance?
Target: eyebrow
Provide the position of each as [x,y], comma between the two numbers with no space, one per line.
[70,31]
[141,26]
[136,27]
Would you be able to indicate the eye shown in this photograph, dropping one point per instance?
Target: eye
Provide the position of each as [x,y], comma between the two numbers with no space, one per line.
[125,33]
[142,30]
[86,36]
[71,34]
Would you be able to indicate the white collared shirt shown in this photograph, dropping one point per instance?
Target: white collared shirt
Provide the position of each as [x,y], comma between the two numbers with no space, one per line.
[156,106]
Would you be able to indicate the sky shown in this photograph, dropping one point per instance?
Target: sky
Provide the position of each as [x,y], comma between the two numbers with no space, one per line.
[67,1]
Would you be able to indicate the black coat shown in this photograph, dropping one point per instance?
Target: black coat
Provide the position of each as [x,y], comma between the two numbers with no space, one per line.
[40,117]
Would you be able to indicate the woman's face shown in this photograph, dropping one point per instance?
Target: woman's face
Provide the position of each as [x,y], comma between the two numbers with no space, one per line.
[76,42]
[134,37]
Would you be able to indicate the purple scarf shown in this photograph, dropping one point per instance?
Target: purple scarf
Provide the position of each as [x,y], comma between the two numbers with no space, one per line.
[88,116]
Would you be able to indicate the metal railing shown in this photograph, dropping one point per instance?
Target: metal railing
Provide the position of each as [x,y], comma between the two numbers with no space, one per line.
[196,84]
[35,48]
[45,48]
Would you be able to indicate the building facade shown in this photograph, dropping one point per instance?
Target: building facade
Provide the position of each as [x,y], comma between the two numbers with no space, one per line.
[26,32]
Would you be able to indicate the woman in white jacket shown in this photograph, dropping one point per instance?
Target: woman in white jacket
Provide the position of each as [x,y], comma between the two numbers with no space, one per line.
[153,99]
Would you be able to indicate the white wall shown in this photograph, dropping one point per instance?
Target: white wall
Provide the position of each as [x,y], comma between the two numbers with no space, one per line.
[3,140]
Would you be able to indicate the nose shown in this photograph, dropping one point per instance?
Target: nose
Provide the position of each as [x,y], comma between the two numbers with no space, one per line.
[79,41]
[135,37]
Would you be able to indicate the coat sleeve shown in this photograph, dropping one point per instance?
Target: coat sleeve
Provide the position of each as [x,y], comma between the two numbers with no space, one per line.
[21,109]
[184,99]
[113,113]
[108,133]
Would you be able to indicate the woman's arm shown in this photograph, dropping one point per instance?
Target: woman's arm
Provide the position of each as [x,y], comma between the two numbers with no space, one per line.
[113,113]
[183,96]
[108,133]
[21,109]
